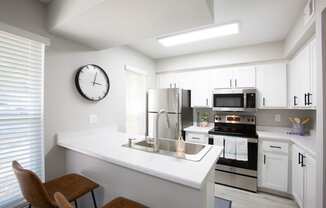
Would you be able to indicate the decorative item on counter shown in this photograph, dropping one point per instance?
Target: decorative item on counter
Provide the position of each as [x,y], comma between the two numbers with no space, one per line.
[298,125]
[181,146]
[204,117]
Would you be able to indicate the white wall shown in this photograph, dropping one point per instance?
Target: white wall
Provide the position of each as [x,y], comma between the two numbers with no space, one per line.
[244,55]
[64,107]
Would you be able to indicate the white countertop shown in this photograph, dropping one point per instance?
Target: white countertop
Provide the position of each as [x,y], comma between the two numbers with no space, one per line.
[198,129]
[273,133]
[106,144]
[308,143]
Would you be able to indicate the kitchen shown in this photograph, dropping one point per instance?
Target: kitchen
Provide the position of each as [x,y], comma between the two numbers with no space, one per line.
[156,109]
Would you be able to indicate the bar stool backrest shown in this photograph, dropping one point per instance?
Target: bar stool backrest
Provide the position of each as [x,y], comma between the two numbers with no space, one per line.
[32,187]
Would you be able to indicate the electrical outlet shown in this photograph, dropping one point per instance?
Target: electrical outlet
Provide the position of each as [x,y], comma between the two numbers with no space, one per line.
[277,117]
[92,119]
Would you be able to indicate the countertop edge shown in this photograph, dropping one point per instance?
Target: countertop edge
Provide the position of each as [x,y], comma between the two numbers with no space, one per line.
[143,170]
[289,140]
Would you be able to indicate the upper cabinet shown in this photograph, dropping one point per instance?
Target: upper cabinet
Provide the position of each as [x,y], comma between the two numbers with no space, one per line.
[271,86]
[302,76]
[244,77]
[237,77]
[196,81]
[201,90]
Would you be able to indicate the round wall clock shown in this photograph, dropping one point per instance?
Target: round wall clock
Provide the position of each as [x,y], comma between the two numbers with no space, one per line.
[92,82]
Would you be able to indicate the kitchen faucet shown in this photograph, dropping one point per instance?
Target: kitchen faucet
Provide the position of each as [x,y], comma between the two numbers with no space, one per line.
[156,142]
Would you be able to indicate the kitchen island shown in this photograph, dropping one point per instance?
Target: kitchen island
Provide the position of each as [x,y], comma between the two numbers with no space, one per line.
[158,181]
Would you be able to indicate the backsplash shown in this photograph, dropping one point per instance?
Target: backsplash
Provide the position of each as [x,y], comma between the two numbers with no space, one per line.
[266,117]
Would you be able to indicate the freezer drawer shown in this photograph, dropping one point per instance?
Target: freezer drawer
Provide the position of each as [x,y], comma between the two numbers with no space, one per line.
[164,131]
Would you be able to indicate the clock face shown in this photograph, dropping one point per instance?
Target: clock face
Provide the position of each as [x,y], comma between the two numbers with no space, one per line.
[92,82]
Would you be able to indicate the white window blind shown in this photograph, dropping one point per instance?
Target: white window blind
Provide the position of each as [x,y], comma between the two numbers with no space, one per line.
[21,112]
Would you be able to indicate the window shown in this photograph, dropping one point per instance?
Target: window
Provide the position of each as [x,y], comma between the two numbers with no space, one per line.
[136,101]
[21,112]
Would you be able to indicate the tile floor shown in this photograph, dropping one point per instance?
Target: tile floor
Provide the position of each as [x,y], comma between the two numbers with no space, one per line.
[244,199]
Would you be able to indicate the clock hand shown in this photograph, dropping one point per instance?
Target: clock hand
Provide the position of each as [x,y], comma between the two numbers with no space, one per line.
[97,83]
[94,79]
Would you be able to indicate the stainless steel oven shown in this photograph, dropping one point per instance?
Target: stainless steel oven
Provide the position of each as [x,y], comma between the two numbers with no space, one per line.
[242,99]
[231,170]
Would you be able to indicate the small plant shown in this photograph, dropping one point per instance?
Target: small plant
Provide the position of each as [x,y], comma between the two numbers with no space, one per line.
[204,117]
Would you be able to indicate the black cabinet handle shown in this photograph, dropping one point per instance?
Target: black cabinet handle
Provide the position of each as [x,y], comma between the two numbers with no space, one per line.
[308,97]
[302,157]
[211,141]
[295,100]
[305,99]
[275,147]
[264,159]
[299,156]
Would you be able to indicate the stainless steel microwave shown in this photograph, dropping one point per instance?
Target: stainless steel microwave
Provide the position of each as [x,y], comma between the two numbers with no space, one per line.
[242,99]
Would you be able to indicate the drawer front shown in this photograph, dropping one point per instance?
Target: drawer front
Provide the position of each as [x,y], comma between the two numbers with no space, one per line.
[277,147]
[197,138]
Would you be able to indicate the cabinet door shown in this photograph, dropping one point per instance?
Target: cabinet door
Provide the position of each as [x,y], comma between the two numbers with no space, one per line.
[271,85]
[275,171]
[300,77]
[297,176]
[221,78]
[182,80]
[313,76]
[309,182]
[244,77]
[201,91]
[165,80]
[292,80]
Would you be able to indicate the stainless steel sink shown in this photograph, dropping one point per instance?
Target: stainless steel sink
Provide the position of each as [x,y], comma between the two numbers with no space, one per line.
[193,152]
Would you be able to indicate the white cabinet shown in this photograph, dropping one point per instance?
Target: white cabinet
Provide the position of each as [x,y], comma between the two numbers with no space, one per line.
[244,77]
[196,81]
[274,167]
[195,137]
[303,178]
[271,86]
[238,77]
[165,80]
[201,90]
[297,176]
[221,78]
[302,76]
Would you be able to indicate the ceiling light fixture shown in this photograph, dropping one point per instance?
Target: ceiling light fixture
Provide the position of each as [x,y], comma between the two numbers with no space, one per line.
[200,34]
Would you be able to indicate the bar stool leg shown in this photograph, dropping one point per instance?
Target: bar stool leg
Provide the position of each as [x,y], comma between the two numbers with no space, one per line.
[76,205]
[93,197]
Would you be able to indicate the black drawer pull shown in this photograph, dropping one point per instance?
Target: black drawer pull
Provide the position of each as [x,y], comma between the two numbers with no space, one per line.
[275,147]
[197,138]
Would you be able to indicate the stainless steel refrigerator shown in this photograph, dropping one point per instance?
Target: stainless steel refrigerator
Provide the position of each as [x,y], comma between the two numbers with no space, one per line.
[177,103]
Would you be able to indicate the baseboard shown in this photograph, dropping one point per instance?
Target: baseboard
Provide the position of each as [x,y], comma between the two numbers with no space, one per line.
[276,193]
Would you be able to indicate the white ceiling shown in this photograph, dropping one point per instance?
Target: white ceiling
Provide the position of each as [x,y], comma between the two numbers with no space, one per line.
[260,21]
[106,23]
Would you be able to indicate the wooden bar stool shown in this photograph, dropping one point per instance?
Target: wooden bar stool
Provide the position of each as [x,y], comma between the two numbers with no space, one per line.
[119,202]
[40,195]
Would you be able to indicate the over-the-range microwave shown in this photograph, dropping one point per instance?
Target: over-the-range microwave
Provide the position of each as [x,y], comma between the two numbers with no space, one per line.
[241,99]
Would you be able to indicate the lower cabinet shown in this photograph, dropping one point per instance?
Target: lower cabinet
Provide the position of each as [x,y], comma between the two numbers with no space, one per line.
[303,178]
[199,138]
[274,167]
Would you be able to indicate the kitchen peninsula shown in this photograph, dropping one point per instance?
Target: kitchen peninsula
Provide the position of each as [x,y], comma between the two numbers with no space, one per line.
[156,180]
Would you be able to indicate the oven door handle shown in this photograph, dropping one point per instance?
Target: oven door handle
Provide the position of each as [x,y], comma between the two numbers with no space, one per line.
[251,140]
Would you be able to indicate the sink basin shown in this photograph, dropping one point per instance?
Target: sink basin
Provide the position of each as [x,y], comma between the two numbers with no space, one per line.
[193,152]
